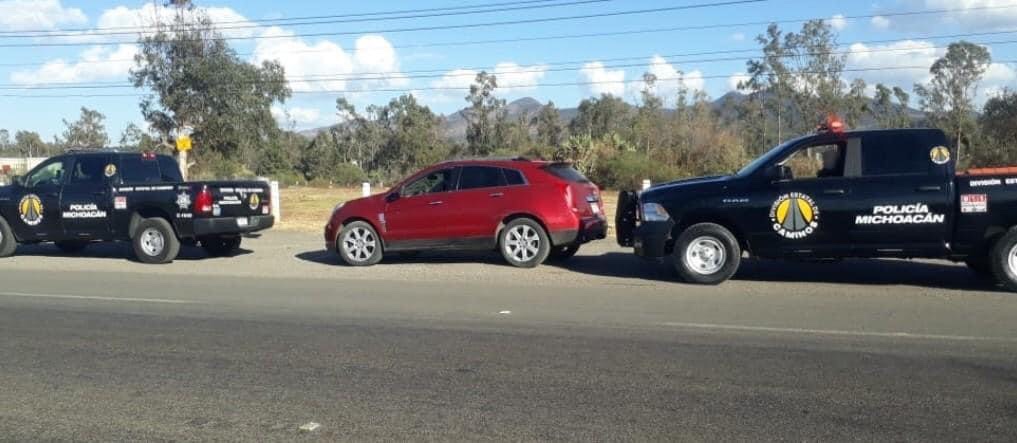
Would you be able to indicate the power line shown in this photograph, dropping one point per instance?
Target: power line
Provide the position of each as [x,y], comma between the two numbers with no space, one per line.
[629,32]
[543,68]
[524,86]
[295,22]
[429,28]
[363,14]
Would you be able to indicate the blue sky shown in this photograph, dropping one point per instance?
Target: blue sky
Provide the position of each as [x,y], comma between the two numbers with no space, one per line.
[395,59]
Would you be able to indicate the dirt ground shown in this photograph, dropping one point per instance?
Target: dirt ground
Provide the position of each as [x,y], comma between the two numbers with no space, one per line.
[306,209]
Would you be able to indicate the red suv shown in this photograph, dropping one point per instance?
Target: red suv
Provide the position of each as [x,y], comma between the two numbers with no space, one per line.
[527,210]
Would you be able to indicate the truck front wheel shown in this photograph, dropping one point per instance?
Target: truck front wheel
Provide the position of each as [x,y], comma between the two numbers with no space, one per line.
[707,254]
[155,242]
[1004,260]
[8,244]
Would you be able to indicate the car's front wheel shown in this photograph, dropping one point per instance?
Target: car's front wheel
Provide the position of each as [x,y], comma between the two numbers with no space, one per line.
[155,242]
[707,254]
[1004,260]
[524,243]
[359,244]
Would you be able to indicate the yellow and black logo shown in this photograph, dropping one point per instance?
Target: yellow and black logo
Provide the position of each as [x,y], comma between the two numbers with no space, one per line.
[940,155]
[110,170]
[30,210]
[794,216]
[254,201]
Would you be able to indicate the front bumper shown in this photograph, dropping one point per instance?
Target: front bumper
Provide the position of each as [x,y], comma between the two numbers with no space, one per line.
[590,229]
[230,225]
[650,239]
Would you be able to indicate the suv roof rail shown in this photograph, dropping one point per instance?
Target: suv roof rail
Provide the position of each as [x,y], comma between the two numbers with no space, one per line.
[86,150]
[517,158]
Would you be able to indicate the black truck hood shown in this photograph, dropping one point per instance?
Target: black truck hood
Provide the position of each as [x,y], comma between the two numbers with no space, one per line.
[666,189]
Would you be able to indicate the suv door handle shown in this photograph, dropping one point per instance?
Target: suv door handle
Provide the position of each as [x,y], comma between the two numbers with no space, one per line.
[932,188]
[834,192]
[496,194]
[436,203]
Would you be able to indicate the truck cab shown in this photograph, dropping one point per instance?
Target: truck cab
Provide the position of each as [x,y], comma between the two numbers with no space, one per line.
[834,194]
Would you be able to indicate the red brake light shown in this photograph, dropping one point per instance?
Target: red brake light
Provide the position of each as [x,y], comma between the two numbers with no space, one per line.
[203,201]
[832,124]
[148,155]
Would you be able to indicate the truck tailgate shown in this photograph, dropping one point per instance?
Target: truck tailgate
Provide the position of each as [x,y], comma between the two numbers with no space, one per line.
[240,199]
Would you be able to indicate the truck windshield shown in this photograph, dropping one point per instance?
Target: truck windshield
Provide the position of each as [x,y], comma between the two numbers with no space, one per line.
[766,158]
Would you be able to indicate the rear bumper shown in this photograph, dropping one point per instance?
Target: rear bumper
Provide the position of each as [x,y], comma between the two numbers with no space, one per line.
[650,238]
[590,229]
[229,225]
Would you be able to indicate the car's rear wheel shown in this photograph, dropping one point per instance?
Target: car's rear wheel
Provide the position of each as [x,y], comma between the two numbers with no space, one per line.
[8,244]
[359,245]
[1004,260]
[707,254]
[221,246]
[524,243]
[155,242]
[71,246]
[562,253]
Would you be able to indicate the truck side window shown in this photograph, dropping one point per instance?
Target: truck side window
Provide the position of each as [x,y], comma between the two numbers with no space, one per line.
[89,170]
[50,174]
[895,154]
[169,169]
[822,161]
[134,169]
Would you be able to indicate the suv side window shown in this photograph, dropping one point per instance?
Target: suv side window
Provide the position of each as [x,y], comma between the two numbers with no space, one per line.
[89,170]
[477,177]
[513,177]
[438,181]
[135,169]
[896,154]
[816,162]
[51,173]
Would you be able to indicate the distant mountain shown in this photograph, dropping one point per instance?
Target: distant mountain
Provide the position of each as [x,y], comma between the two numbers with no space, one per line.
[455,124]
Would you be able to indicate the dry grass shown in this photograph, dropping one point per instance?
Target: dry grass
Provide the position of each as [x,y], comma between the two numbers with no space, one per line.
[307,209]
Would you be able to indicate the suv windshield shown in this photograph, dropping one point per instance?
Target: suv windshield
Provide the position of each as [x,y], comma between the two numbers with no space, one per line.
[566,172]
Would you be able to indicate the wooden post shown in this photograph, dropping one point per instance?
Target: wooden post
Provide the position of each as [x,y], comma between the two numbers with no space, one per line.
[182,160]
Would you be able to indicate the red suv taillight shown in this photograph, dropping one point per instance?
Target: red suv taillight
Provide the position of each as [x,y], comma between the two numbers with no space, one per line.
[203,201]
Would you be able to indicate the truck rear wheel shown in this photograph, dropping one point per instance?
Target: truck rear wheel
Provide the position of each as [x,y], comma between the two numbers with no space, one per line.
[707,254]
[8,244]
[1004,260]
[155,242]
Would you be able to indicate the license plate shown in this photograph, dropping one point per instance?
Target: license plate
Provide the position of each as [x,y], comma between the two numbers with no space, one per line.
[242,222]
[595,208]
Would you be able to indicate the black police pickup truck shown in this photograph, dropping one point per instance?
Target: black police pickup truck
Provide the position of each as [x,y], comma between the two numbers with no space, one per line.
[82,197]
[889,193]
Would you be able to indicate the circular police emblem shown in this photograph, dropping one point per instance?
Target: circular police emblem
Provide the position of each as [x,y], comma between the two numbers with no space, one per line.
[940,155]
[794,216]
[254,201]
[111,170]
[30,209]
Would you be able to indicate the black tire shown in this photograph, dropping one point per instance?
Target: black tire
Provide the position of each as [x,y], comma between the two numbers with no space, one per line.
[221,246]
[71,246]
[8,244]
[562,253]
[146,242]
[358,244]
[715,259]
[1003,260]
[524,243]
[979,265]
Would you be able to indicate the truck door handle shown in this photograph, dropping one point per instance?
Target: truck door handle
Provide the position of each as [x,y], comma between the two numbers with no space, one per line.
[497,194]
[933,188]
[99,193]
[53,194]
[834,192]
[436,203]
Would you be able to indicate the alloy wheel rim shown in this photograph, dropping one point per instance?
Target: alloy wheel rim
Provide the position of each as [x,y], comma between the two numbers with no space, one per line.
[522,243]
[705,255]
[1013,260]
[359,244]
[152,242]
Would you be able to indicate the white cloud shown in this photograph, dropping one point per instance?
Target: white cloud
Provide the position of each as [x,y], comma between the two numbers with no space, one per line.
[519,78]
[838,22]
[231,22]
[669,79]
[876,59]
[299,117]
[97,63]
[880,22]
[735,79]
[603,80]
[23,15]
[978,15]
[326,66]
[512,78]
[738,37]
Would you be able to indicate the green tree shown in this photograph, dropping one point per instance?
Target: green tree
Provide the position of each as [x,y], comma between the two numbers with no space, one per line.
[550,130]
[999,130]
[88,131]
[948,99]
[413,136]
[5,141]
[198,81]
[30,144]
[890,107]
[856,104]
[601,116]
[484,115]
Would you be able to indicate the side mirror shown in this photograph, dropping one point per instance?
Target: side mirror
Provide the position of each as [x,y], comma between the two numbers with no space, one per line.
[392,197]
[17,180]
[781,173]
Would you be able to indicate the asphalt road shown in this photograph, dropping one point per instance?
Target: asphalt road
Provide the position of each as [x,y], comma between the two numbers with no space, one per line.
[464,348]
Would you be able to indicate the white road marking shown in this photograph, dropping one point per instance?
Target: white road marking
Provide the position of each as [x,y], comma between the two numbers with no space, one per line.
[98,298]
[907,335]
[505,312]
[310,427]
